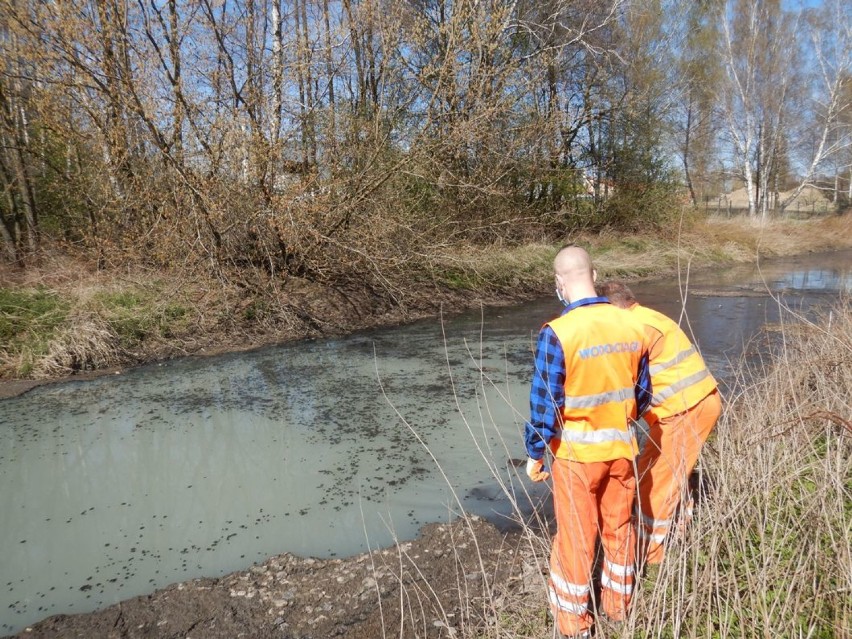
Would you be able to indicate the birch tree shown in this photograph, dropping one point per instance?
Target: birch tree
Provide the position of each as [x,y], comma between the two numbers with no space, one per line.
[827,107]
[777,95]
[697,73]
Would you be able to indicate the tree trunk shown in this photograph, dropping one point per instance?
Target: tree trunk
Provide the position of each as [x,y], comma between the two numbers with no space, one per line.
[329,70]
[304,87]
[177,109]
[15,121]
[686,168]
[307,53]
[849,187]
[9,223]
[25,186]
[277,72]
[354,35]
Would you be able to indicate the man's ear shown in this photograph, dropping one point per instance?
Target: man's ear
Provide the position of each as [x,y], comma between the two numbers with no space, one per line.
[594,275]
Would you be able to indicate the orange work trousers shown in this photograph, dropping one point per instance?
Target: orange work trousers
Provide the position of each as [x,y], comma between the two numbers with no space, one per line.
[591,500]
[664,467]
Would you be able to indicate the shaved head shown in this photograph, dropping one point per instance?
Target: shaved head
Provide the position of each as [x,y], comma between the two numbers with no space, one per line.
[575,276]
[572,260]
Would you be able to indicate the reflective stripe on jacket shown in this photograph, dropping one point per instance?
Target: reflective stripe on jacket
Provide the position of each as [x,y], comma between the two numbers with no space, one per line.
[603,346]
[679,376]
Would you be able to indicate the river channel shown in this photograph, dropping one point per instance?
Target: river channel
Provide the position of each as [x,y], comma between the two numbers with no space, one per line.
[114,487]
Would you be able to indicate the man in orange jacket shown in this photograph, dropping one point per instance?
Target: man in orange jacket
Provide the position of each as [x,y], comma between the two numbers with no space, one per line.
[684,409]
[583,397]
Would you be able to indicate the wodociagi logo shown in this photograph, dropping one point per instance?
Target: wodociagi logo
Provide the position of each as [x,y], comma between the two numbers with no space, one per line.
[608,349]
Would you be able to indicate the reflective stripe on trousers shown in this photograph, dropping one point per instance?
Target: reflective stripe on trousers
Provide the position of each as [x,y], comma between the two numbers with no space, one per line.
[590,499]
[566,605]
[617,577]
[574,590]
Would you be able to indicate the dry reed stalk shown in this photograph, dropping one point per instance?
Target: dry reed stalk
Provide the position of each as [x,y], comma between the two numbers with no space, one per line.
[768,553]
[86,343]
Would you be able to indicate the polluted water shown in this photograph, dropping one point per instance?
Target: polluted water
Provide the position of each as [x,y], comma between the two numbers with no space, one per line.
[114,487]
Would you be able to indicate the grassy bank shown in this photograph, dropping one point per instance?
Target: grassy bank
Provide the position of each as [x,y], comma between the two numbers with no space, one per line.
[66,316]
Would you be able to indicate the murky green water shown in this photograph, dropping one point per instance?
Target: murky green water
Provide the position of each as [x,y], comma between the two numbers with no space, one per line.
[114,487]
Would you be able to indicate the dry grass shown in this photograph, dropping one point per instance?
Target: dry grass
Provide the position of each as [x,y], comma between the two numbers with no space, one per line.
[156,314]
[769,552]
[86,343]
[776,237]
[701,242]
[694,242]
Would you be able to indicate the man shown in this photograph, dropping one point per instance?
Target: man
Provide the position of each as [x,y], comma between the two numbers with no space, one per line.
[684,409]
[583,397]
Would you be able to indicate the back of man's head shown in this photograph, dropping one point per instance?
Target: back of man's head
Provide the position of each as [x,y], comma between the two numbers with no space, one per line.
[575,274]
[573,262]
[617,293]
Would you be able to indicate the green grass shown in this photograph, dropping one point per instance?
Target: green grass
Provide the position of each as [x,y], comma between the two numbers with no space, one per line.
[457,279]
[39,326]
[29,319]
[25,310]
[137,315]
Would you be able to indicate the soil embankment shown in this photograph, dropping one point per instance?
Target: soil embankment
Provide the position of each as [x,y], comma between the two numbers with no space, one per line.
[112,321]
[435,585]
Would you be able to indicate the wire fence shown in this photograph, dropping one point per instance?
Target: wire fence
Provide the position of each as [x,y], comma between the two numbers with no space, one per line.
[795,210]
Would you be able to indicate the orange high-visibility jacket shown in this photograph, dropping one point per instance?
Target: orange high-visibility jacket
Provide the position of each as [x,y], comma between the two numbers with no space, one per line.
[603,346]
[679,377]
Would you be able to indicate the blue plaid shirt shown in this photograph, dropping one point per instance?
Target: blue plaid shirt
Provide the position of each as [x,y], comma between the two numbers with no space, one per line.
[547,394]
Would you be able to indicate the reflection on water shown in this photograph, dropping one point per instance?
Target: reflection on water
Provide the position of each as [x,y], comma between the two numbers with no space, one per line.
[114,487]
[816,280]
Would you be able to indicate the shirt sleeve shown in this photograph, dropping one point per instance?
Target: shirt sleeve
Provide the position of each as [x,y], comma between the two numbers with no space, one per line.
[644,390]
[547,393]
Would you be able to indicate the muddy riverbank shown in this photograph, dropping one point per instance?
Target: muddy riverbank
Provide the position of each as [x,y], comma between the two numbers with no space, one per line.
[438,585]
[114,321]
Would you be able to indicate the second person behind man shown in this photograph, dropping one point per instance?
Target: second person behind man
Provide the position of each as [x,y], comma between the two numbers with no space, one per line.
[684,409]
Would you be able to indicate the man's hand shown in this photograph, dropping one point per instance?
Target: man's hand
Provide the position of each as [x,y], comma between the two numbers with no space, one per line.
[535,469]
